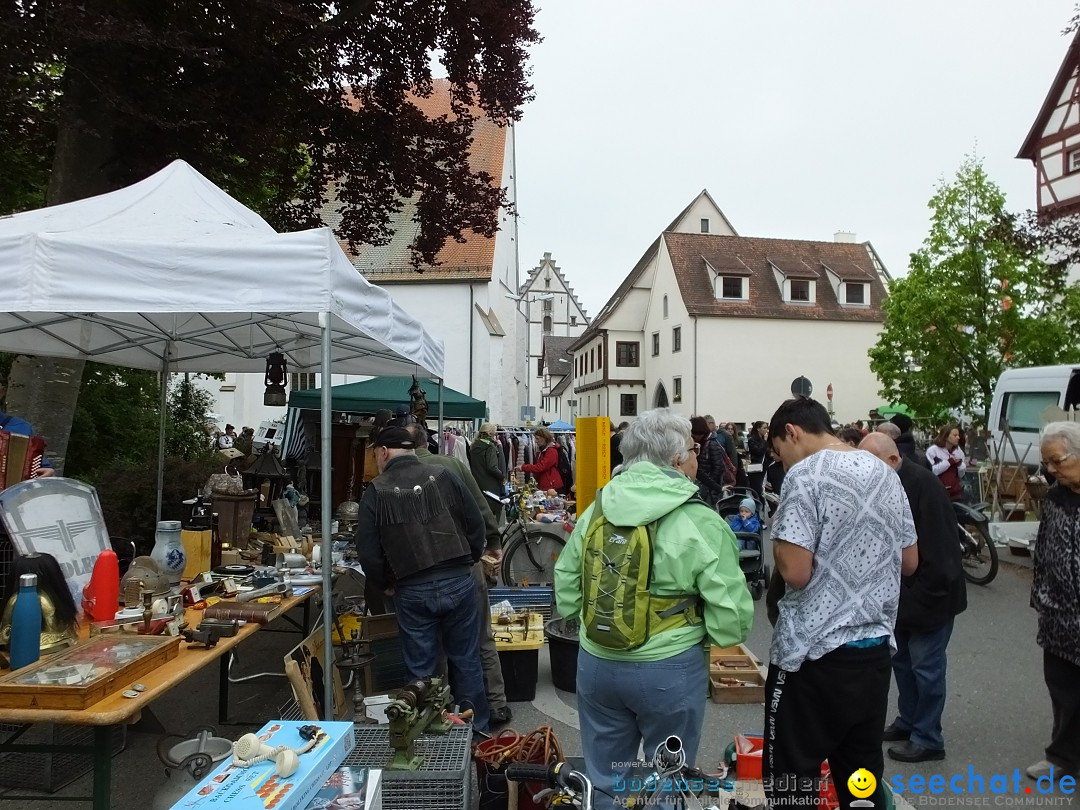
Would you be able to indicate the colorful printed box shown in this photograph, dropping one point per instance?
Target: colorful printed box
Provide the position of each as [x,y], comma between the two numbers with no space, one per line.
[259,787]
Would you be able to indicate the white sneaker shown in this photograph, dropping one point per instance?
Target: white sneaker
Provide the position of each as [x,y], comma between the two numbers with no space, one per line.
[1041,768]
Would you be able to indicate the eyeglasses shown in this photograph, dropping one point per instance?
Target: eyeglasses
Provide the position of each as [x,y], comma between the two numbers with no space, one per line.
[1056,462]
[696,449]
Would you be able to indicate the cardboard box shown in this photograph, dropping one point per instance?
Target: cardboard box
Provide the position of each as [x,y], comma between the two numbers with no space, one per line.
[259,787]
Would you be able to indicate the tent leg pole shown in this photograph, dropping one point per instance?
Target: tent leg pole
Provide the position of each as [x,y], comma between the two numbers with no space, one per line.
[161,428]
[440,410]
[325,449]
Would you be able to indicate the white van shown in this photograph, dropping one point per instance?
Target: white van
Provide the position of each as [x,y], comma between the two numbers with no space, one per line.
[1021,397]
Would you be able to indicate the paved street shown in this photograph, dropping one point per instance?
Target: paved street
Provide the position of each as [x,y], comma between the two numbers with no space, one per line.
[997,717]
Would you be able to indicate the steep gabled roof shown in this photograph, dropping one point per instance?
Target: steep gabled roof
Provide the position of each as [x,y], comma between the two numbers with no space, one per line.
[534,273]
[796,258]
[471,260]
[704,193]
[617,296]
[557,358]
[1069,65]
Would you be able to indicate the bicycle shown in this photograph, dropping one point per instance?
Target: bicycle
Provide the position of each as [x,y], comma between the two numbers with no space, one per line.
[978,554]
[529,554]
[671,779]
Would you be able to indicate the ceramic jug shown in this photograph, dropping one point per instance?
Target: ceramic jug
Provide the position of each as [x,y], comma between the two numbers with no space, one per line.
[169,551]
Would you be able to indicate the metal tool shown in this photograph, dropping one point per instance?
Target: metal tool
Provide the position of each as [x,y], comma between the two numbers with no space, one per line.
[282,588]
[419,707]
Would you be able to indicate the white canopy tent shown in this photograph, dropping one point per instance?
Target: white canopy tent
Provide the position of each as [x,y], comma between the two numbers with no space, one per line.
[173,274]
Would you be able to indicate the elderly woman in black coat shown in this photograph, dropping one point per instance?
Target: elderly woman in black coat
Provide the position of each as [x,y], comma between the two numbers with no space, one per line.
[1055,594]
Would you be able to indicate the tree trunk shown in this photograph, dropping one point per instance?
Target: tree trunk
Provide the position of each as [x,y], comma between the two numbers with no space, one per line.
[45,390]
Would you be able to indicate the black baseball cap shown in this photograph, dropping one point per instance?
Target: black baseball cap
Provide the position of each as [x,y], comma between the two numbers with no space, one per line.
[394,438]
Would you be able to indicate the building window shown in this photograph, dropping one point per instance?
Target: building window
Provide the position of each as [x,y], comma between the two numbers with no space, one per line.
[539,366]
[600,355]
[676,339]
[799,290]
[1072,161]
[592,359]
[676,389]
[854,293]
[573,320]
[655,344]
[704,225]
[628,404]
[731,287]
[626,353]
[665,306]
[547,304]
[303,382]
[547,282]
[547,324]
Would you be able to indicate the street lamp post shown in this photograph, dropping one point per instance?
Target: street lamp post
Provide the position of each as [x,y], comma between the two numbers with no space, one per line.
[525,299]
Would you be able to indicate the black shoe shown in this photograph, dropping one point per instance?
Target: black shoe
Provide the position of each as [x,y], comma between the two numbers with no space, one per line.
[501,716]
[909,752]
[893,733]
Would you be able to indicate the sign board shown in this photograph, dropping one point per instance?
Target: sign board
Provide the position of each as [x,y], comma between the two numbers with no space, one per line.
[801,387]
[528,413]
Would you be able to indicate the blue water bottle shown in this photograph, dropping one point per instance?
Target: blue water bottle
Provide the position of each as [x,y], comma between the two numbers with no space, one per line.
[26,623]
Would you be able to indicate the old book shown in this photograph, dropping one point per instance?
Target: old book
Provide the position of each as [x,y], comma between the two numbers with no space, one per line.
[259,612]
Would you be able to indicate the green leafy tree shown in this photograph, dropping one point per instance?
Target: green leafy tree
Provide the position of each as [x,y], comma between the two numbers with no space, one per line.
[978,298]
[273,100]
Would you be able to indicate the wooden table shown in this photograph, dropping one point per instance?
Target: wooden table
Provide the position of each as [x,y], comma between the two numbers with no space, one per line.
[115,709]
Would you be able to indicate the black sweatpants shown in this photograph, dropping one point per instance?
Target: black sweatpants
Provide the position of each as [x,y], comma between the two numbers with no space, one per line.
[833,708]
[1063,682]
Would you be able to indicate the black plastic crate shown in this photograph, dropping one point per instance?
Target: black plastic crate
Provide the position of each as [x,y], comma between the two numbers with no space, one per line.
[519,669]
[50,772]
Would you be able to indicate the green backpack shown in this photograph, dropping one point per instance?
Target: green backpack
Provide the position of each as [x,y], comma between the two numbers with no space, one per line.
[620,613]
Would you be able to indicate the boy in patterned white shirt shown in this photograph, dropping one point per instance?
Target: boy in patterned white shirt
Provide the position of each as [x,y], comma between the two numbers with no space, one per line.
[843,533]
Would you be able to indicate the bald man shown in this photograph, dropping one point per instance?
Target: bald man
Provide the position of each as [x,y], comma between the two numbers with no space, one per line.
[930,599]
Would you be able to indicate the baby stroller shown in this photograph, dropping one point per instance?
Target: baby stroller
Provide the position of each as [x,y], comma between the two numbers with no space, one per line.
[751,544]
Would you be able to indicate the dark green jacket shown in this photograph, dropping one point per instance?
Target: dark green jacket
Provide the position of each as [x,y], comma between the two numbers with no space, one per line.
[485,465]
[491,529]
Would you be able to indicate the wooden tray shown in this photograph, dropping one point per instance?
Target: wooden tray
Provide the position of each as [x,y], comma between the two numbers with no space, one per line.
[86,673]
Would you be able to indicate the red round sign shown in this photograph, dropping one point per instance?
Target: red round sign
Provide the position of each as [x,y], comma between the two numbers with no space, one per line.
[828,392]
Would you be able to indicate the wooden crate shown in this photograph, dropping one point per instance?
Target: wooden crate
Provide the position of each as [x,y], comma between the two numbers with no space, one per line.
[117,660]
[735,664]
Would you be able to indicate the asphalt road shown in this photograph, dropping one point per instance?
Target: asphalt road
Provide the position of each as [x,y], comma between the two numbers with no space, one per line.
[997,718]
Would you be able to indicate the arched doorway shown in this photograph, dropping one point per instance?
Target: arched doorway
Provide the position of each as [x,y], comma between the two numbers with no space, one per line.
[661,400]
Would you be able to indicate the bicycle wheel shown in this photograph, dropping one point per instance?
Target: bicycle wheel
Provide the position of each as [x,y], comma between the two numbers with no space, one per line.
[978,553]
[530,559]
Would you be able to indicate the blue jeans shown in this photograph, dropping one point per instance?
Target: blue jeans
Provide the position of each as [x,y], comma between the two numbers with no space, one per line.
[621,703]
[919,668]
[444,611]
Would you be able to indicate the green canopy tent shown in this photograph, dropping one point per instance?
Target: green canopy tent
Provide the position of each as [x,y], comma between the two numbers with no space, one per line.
[891,410]
[388,393]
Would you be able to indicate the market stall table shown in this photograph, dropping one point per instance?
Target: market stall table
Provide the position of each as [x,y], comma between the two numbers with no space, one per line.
[115,709]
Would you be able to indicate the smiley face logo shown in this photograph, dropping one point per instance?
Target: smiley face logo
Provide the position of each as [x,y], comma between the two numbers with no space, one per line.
[861,783]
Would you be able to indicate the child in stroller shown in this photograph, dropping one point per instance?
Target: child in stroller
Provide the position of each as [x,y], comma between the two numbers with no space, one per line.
[741,510]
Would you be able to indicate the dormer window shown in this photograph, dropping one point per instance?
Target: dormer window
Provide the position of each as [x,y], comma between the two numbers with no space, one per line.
[855,293]
[733,288]
[799,291]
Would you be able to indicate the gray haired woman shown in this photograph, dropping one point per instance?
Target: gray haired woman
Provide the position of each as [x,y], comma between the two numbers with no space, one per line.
[629,695]
[1055,594]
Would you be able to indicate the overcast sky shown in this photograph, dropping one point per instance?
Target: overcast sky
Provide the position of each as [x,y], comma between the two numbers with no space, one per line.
[800,118]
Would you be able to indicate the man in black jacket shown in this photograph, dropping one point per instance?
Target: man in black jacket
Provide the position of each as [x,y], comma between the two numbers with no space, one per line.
[418,535]
[929,601]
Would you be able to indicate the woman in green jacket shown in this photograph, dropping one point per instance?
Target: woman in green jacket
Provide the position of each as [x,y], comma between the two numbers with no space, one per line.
[659,688]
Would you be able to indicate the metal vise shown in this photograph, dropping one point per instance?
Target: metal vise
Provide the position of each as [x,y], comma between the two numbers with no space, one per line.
[420,706]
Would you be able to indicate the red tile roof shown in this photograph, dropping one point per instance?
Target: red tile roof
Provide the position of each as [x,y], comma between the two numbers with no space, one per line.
[470,260]
[796,258]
